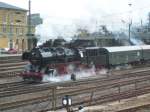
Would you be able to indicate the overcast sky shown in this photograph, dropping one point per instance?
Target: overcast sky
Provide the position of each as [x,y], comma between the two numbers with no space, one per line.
[63,17]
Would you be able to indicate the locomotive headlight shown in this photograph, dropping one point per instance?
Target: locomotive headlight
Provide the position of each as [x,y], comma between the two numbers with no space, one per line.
[81,54]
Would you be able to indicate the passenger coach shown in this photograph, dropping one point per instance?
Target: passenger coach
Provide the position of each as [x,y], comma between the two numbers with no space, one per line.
[114,56]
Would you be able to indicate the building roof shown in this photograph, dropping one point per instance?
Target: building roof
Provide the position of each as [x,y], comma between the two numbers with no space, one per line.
[8,6]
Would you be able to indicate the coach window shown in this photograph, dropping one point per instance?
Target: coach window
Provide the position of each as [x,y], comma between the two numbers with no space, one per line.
[88,52]
[91,53]
[102,52]
[96,52]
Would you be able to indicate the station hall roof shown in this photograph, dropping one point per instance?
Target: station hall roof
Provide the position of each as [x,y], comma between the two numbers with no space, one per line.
[8,6]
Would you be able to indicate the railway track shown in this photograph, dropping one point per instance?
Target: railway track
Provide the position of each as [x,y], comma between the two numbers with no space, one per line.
[87,101]
[10,58]
[80,88]
[11,89]
[112,74]
[11,64]
[13,85]
[11,69]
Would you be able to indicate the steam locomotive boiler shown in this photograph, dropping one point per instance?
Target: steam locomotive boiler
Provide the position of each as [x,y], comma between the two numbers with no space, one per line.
[45,61]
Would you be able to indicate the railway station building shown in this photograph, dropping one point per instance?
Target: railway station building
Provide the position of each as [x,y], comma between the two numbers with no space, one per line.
[13,27]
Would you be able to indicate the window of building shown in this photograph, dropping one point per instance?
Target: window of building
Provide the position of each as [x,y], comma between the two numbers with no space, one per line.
[4,28]
[23,44]
[18,12]
[18,21]
[10,43]
[17,31]
[22,30]
[23,18]
[11,18]
[4,19]
[17,41]
[8,18]
[11,29]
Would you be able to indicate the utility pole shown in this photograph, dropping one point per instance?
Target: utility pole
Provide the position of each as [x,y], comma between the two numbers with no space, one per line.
[29,27]
[32,40]
[149,19]
[141,23]
[130,31]
[130,20]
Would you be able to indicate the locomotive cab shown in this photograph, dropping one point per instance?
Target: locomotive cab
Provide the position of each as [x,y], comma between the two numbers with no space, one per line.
[26,55]
[35,57]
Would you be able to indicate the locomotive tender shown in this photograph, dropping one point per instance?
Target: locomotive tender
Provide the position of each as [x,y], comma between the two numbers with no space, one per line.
[49,60]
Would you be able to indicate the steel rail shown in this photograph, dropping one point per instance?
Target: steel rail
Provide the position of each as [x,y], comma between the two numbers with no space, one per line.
[98,100]
[11,91]
[24,89]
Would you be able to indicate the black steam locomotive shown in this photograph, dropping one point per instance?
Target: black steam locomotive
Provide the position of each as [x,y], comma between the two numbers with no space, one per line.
[47,60]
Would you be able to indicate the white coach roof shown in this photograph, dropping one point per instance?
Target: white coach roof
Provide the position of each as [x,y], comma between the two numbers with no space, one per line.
[123,48]
[145,47]
[92,47]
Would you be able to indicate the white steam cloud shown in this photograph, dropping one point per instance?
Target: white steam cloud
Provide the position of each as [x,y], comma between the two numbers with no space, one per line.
[63,18]
[80,74]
